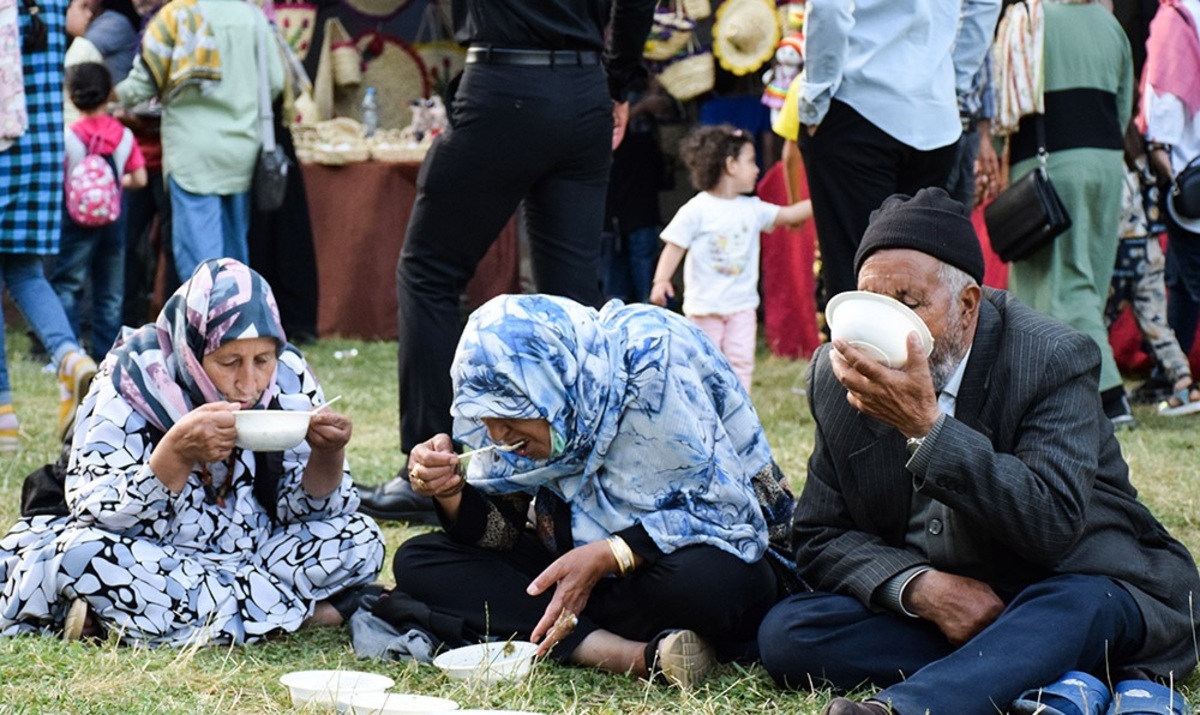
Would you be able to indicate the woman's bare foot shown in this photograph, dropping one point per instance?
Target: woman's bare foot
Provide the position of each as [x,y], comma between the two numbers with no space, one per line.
[324,614]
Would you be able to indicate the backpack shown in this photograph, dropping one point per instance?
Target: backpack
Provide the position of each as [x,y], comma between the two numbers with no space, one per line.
[93,183]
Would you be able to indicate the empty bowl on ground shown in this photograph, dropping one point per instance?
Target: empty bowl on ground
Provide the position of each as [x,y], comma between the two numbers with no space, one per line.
[332,687]
[488,662]
[270,430]
[398,704]
[878,325]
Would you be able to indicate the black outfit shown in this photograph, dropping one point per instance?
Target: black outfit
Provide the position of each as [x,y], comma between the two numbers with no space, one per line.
[281,249]
[475,591]
[531,120]
[852,166]
[632,217]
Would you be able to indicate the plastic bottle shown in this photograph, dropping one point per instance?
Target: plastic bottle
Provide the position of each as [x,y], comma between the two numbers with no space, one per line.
[370,112]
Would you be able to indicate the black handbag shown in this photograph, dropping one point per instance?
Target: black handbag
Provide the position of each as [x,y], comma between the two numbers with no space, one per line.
[1028,215]
[1185,191]
[271,169]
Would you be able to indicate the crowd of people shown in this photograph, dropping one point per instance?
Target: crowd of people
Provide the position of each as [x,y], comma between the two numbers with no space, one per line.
[624,509]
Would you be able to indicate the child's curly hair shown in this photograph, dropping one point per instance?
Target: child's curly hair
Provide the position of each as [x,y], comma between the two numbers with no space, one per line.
[88,85]
[705,149]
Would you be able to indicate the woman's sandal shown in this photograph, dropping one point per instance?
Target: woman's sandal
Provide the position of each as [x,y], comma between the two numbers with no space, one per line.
[1076,693]
[1185,401]
[679,657]
[1145,697]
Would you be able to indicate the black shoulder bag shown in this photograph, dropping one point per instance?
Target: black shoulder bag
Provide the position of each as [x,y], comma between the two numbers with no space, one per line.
[1028,215]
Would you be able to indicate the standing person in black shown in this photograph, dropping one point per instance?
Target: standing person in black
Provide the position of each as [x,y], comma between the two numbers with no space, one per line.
[537,112]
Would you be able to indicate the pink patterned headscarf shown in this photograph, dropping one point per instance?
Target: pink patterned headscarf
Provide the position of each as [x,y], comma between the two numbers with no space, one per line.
[157,368]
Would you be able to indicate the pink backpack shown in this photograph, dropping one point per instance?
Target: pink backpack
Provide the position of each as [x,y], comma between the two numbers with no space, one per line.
[93,183]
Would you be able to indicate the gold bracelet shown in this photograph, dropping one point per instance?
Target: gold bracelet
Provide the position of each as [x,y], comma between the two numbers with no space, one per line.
[622,553]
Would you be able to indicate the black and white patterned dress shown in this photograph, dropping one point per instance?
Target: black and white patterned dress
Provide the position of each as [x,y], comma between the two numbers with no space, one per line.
[188,568]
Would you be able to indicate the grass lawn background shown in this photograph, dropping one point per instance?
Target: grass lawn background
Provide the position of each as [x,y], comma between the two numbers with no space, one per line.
[44,675]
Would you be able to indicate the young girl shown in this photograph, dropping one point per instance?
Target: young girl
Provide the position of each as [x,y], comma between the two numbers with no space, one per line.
[719,231]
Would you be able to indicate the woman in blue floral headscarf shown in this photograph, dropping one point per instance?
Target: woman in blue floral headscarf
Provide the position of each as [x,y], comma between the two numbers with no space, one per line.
[173,535]
[655,495]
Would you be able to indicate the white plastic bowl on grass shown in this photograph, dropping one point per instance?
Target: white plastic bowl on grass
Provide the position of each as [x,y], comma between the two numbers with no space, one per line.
[332,687]
[398,704]
[488,662]
[878,325]
[270,430]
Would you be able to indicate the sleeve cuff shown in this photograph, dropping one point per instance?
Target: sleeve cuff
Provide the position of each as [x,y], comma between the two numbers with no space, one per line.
[472,516]
[890,594]
[918,463]
[639,540]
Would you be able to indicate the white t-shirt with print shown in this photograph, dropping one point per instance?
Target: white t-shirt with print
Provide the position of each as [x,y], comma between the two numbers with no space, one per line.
[721,236]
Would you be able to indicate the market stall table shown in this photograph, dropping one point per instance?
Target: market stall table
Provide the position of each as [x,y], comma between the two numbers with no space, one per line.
[360,212]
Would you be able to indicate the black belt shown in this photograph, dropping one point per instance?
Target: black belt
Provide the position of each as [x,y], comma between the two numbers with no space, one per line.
[530,58]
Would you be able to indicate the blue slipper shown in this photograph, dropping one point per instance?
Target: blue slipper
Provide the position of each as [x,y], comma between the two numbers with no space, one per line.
[1076,693]
[1144,697]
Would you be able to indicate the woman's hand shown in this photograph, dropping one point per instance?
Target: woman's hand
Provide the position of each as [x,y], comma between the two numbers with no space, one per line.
[328,431]
[433,467]
[574,575]
[206,434]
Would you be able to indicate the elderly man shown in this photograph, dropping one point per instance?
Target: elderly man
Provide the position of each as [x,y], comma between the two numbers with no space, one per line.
[968,523]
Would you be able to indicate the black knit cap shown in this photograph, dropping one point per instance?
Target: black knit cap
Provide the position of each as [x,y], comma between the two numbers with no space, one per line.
[930,222]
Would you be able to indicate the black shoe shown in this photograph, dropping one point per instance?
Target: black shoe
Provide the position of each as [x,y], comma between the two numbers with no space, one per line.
[395,500]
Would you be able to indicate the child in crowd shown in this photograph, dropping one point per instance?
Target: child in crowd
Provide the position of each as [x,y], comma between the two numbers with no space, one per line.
[96,252]
[1138,280]
[718,229]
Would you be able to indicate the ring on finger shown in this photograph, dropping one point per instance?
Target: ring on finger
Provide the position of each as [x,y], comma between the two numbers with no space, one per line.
[418,482]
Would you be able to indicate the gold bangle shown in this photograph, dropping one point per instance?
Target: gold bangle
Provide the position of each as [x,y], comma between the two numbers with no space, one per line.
[622,553]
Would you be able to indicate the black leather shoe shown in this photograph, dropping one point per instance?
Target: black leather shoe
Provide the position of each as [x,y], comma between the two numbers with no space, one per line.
[395,500]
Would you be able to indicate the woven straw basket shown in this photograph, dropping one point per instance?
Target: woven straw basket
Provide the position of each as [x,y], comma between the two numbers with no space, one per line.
[347,64]
[669,36]
[339,141]
[689,77]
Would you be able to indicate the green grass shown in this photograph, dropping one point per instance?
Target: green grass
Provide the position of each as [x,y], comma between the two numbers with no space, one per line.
[43,675]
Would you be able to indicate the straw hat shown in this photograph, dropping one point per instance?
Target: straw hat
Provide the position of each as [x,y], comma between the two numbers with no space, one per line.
[745,34]
[378,9]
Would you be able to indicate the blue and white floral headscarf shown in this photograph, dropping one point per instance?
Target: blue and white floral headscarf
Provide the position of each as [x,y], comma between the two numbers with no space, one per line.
[157,368]
[653,425]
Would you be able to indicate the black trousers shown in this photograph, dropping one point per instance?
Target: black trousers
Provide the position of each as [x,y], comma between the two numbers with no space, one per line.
[538,134]
[700,588]
[852,166]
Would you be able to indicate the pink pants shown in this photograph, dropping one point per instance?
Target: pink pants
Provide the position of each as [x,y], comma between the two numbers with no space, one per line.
[735,335]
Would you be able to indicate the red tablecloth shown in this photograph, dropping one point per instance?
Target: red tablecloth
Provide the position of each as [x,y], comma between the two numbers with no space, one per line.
[359,215]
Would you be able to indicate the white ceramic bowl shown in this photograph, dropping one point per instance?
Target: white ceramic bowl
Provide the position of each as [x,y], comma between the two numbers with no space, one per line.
[332,687]
[878,325]
[488,662]
[270,430]
[398,704]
